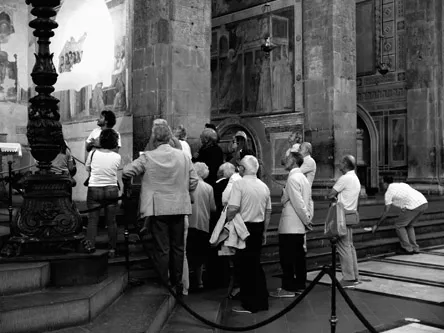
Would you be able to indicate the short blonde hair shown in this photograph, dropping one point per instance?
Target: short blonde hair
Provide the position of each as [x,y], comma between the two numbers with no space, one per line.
[201,170]
[180,132]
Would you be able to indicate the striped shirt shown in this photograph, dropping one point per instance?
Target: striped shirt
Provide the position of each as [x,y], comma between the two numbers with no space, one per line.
[404,196]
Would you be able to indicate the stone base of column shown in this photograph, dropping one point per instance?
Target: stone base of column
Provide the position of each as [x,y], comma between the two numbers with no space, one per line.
[430,186]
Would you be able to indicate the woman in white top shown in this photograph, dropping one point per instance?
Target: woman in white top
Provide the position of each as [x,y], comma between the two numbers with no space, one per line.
[181,134]
[102,165]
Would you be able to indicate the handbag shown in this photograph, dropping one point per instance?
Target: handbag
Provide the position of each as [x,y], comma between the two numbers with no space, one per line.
[351,217]
[86,182]
[335,224]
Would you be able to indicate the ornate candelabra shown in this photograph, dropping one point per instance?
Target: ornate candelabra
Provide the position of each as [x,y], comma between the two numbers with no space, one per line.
[48,221]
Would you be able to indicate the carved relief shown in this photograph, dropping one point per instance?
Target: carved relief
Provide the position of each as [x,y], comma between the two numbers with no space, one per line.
[389,93]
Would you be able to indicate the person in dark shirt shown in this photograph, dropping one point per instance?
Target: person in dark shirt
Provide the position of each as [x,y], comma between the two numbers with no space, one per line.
[210,153]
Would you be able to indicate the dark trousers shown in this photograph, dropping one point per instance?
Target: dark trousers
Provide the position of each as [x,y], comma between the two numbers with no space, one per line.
[292,258]
[253,285]
[168,231]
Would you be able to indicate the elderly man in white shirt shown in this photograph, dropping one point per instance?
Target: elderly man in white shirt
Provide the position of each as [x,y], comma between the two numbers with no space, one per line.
[250,197]
[412,203]
[294,223]
[346,190]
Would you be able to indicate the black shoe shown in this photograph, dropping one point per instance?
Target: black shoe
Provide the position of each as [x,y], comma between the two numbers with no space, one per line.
[404,252]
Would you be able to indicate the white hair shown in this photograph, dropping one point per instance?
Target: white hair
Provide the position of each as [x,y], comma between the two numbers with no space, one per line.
[227,169]
[201,170]
[250,164]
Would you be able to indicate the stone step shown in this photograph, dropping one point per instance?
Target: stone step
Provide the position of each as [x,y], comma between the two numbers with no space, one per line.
[316,237]
[23,277]
[319,257]
[142,308]
[55,308]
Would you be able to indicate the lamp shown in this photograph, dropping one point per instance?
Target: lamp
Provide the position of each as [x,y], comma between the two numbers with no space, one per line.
[383,67]
[268,45]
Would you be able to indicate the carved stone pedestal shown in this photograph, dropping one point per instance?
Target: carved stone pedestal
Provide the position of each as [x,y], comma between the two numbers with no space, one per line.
[48,221]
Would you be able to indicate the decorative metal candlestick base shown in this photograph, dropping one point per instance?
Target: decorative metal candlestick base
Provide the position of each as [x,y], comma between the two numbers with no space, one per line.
[48,221]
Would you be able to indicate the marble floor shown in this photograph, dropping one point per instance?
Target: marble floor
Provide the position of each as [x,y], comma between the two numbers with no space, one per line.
[419,277]
[415,328]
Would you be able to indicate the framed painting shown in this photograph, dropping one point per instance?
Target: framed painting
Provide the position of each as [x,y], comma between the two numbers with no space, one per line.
[365,38]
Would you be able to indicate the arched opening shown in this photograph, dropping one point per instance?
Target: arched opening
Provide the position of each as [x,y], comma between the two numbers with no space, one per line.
[367,150]
[226,139]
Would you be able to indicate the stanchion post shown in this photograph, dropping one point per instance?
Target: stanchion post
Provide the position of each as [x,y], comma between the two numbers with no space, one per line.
[10,192]
[126,235]
[126,196]
[333,317]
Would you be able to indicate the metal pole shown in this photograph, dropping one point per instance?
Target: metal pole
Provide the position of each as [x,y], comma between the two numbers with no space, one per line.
[10,192]
[126,234]
[333,318]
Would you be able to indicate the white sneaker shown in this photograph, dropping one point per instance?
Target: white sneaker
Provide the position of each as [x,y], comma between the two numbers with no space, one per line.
[282,293]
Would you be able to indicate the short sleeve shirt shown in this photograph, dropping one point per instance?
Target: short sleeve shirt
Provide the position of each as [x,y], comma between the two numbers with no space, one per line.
[253,198]
[348,188]
[94,135]
[403,196]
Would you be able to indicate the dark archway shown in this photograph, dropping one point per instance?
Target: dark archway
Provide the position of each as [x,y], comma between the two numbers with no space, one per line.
[368,158]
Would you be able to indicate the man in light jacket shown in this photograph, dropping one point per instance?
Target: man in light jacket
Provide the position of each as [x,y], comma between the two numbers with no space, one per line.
[295,222]
[168,179]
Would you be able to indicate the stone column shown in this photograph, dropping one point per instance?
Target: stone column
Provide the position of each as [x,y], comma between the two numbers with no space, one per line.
[170,66]
[330,84]
[425,94]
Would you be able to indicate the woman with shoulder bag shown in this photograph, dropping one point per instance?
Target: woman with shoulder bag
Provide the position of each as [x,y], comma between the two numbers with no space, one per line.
[102,165]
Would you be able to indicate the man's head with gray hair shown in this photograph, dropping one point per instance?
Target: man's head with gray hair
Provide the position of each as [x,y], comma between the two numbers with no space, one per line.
[160,121]
[248,165]
[161,135]
[201,170]
[305,149]
[226,170]
[348,163]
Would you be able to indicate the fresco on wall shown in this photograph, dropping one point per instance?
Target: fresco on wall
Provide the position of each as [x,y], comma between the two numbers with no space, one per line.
[91,58]
[8,60]
[223,7]
[244,78]
[71,54]
[365,38]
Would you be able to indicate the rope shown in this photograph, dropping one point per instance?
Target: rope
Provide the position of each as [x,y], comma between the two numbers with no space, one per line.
[229,328]
[16,170]
[299,298]
[352,305]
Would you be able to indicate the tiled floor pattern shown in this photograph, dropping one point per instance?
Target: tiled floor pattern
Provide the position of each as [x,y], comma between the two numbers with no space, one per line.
[383,301]
[415,328]
[422,258]
[400,270]
[389,285]
[393,288]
